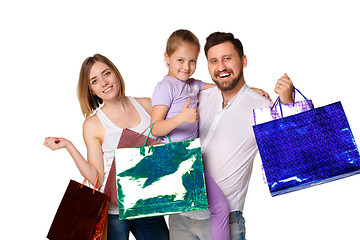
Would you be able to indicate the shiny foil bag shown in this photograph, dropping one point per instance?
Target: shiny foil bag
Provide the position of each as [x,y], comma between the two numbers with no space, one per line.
[82,214]
[160,180]
[307,149]
[267,114]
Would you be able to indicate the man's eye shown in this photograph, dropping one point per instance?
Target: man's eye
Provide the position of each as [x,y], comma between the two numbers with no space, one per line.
[180,60]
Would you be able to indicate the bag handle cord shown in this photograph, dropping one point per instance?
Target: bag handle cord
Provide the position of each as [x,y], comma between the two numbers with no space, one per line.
[278,101]
[152,125]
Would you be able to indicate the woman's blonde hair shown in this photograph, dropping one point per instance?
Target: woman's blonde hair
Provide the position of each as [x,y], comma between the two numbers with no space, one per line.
[89,102]
[181,36]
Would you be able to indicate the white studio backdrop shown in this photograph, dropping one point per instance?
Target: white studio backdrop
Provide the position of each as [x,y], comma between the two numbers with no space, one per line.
[43,44]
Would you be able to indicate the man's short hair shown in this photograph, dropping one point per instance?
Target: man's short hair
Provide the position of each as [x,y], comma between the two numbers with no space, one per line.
[217,38]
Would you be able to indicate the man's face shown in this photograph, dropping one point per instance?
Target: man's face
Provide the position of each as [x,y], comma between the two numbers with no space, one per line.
[225,66]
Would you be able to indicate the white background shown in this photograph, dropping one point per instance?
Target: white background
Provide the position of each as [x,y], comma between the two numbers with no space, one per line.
[43,44]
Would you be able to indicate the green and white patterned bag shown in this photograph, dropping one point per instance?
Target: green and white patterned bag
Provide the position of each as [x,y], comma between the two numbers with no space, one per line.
[160,179]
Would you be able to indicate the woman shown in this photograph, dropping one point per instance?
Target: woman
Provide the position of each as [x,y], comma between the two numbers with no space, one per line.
[107,111]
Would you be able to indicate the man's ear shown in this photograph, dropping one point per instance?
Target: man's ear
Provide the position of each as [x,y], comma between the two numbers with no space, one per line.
[244,61]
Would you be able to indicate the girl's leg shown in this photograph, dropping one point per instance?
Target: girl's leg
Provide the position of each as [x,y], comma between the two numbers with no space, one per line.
[219,210]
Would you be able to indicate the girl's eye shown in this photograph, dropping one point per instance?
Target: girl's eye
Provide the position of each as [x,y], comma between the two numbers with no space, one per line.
[93,81]
[107,73]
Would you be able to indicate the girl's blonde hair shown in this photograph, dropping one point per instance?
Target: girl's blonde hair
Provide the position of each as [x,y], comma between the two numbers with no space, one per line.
[89,102]
[178,37]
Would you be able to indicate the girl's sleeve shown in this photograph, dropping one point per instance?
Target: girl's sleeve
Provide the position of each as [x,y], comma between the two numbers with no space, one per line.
[162,94]
[200,84]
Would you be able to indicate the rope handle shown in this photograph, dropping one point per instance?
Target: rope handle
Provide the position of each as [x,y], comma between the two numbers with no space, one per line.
[152,125]
[278,101]
[97,180]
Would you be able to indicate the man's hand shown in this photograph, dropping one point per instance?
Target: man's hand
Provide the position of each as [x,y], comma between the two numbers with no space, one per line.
[284,88]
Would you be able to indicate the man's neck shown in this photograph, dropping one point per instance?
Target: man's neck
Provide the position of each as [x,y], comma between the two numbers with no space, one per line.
[228,95]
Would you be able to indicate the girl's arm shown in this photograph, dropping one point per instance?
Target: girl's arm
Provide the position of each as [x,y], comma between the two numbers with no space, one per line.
[208,85]
[258,90]
[88,169]
[163,127]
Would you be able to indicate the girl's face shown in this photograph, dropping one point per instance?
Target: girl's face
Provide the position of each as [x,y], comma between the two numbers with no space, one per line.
[103,81]
[182,63]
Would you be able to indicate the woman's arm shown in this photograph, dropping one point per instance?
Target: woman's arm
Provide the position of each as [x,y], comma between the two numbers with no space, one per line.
[93,133]
[164,126]
[88,169]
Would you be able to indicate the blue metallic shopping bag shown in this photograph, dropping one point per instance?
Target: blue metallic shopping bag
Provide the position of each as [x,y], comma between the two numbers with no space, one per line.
[160,179]
[307,149]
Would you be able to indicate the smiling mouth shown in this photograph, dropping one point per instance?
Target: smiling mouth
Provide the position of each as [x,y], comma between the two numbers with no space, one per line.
[107,90]
[224,75]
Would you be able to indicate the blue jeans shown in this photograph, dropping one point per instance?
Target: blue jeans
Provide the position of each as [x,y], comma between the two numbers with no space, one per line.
[237,226]
[184,228]
[149,228]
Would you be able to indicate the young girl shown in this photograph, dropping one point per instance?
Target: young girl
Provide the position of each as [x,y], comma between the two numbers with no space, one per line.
[101,93]
[174,112]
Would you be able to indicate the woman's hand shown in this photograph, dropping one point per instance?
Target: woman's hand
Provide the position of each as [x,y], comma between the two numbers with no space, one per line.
[55,143]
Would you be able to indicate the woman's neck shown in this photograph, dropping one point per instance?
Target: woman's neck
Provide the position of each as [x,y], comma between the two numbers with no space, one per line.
[118,105]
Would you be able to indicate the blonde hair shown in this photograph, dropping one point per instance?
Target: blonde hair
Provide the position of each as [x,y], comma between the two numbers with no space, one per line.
[88,101]
[178,37]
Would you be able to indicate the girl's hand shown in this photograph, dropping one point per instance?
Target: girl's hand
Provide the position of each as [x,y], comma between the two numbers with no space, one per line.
[55,143]
[189,115]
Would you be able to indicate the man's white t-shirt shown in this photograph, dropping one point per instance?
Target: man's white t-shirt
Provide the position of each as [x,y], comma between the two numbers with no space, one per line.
[228,141]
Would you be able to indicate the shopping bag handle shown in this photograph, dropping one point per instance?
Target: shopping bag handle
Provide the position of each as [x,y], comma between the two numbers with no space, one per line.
[278,101]
[97,180]
[152,125]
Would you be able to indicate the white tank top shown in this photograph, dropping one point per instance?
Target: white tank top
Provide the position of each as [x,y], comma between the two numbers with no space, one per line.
[111,141]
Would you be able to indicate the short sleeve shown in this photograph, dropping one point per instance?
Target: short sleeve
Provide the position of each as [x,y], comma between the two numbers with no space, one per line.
[200,84]
[162,94]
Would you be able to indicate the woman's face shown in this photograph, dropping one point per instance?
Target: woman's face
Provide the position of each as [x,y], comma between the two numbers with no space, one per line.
[103,81]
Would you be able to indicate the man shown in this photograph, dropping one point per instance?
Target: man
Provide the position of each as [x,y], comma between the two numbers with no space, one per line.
[225,129]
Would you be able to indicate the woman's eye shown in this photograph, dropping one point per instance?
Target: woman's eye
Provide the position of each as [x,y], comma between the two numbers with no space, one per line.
[107,73]
[93,81]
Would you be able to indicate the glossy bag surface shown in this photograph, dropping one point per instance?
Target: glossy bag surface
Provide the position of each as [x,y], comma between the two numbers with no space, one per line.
[307,149]
[160,180]
[81,214]
[271,113]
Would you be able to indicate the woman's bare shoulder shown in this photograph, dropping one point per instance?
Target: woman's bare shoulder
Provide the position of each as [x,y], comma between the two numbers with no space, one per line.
[145,102]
